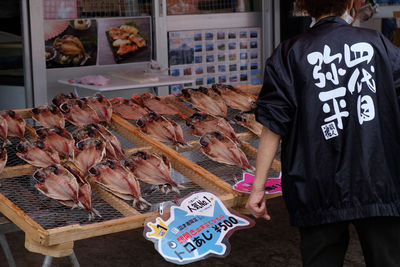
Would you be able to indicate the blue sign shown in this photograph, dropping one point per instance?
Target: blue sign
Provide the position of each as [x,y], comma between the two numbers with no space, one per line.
[197,229]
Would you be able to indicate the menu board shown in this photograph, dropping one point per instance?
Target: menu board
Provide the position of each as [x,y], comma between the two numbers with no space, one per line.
[230,56]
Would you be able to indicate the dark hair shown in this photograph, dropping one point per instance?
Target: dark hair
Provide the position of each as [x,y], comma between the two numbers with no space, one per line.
[318,8]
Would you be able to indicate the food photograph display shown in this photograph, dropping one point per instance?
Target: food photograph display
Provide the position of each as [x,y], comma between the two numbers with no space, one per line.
[130,130]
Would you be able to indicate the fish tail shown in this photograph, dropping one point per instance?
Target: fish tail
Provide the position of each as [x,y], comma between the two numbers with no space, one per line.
[7,143]
[93,213]
[141,203]
[176,189]
[251,169]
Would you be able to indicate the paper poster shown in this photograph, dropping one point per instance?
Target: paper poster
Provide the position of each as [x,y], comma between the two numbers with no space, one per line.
[272,185]
[196,229]
[124,40]
[70,43]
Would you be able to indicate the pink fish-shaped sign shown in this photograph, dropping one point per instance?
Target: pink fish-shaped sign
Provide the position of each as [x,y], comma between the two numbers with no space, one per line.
[272,186]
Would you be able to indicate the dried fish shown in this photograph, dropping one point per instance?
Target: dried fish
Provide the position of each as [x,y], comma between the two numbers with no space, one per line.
[16,125]
[58,139]
[78,112]
[200,100]
[201,123]
[102,106]
[4,131]
[160,128]
[153,169]
[235,98]
[37,154]
[3,158]
[69,45]
[85,192]
[221,148]
[248,120]
[155,104]
[127,108]
[58,183]
[88,152]
[48,116]
[120,181]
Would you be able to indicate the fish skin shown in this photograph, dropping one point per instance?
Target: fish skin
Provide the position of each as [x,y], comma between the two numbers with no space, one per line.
[155,104]
[235,98]
[127,108]
[4,131]
[58,183]
[79,113]
[152,168]
[248,120]
[48,116]
[37,154]
[117,179]
[102,106]
[88,153]
[16,125]
[3,158]
[221,148]
[158,127]
[201,123]
[200,99]
[58,139]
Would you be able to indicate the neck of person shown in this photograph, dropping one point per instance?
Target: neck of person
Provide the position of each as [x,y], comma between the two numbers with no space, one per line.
[328,15]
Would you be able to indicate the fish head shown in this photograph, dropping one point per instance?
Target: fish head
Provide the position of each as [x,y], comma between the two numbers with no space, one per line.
[35,111]
[205,140]
[203,89]
[65,107]
[53,109]
[41,174]
[185,93]
[90,143]
[11,113]
[39,144]
[42,132]
[141,154]
[23,147]
[100,98]
[194,119]
[242,116]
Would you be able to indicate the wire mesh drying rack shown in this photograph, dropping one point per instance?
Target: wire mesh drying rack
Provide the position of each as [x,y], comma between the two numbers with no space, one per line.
[51,228]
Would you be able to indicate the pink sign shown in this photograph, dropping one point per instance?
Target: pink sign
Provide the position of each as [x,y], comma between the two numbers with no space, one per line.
[272,186]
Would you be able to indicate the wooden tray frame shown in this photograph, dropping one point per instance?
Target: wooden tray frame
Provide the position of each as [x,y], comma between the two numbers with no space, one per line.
[58,242]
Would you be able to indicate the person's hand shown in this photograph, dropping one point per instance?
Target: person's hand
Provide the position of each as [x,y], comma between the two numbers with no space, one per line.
[256,204]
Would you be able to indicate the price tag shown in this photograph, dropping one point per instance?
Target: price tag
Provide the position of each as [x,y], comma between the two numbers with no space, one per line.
[197,229]
[272,186]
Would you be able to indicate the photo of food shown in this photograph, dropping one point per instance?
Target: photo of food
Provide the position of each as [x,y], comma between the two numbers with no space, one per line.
[124,40]
[70,43]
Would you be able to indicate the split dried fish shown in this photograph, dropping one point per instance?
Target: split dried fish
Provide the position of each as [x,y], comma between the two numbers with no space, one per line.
[4,131]
[79,113]
[16,125]
[248,120]
[201,123]
[3,158]
[221,148]
[101,106]
[155,104]
[58,139]
[61,98]
[48,116]
[160,128]
[235,98]
[153,169]
[37,154]
[58,183]
[200,100]
[127,108]
[120,181]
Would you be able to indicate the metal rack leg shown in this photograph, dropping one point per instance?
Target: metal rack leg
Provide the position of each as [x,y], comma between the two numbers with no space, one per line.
[73,260]
[47,261]
[7,251]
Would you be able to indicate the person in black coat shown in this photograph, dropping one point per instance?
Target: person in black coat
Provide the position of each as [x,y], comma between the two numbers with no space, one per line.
[332,96]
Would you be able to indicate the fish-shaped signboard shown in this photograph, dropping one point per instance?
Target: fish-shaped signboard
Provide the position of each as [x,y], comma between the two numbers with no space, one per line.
[197,229]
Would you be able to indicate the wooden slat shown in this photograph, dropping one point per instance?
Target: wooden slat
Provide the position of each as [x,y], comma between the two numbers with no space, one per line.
[115,202]
[59,250]
[21,219]
[15,171]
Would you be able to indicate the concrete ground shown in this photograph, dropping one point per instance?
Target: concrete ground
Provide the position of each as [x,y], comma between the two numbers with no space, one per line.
[272,244]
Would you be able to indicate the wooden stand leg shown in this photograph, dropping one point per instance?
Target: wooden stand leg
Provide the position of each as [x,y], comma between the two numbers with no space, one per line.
[61,250]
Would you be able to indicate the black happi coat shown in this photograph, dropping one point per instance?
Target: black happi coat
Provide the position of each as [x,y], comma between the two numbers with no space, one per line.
[333,95]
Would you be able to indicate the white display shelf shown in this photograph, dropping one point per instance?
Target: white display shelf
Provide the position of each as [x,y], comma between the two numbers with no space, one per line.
[386,11]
